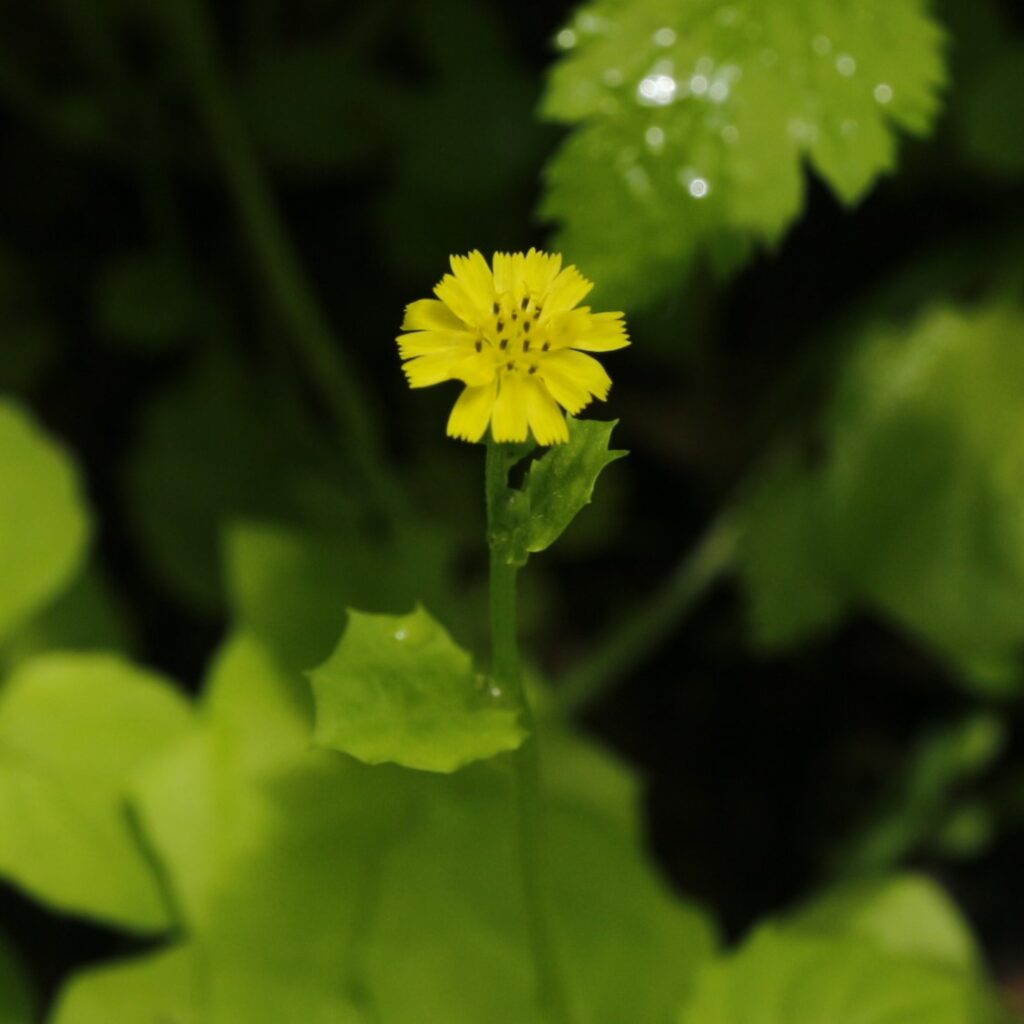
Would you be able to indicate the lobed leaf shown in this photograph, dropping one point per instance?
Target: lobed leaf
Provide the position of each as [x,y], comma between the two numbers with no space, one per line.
[693,119]
[398,688]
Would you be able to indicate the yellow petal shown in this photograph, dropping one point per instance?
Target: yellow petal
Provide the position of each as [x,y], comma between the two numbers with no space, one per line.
[477,281]
[472,412]
[547,423]
[424,371]
[603,333]
[583,370]
[508,421]
[422,343]
[508,271]
[453,295]
[569,289]
[430,315]
[540,270]
[563,387]
[472,367]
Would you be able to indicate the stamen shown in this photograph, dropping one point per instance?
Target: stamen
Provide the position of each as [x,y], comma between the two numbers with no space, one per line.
[515,315]
[503,343]
[501,326]
[526,326]
[479,345]
[525,302]
[496,308]
[533,369]
[545,346]
[510,366]
[526,345]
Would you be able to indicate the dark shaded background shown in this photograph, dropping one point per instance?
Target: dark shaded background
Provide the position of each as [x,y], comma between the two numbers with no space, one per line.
[398,133]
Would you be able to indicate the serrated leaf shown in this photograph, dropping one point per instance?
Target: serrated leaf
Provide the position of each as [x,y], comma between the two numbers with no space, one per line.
[398,688]
[694,117]
[73,729]
[44,527]
[561,483]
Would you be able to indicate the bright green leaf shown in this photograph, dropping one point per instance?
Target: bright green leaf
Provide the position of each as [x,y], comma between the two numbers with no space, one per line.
[695,116]
[893,951]
[398,688]
[905,914]
[561,482]
[73,729]
[16,1001]
[43,524]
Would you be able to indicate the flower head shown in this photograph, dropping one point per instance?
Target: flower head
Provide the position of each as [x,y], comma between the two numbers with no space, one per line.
[515,335]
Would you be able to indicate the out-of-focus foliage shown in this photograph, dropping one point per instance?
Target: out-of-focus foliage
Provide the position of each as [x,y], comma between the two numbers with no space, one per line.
[694,118]
[925,803]
[202,207]
[43,524]
[917,507]
[292,588]
[73,728]
[398,688]
[16,1002]
[893,953]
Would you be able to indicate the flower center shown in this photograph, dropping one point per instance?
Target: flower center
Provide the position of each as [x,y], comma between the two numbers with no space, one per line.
[516,333]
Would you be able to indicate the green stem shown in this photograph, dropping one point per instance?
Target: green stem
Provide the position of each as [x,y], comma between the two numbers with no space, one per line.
[653,621]
[327,367]
[507,673]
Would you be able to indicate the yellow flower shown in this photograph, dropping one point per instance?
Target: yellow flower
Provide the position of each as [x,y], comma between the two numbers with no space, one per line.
[513,335]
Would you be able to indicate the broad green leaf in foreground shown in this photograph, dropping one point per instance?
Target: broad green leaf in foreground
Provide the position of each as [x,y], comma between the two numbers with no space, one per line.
[73,728]
[415,914]
[895,952]
[398,688]
[917,507]
[43,524]
[16,1001]
[694,117]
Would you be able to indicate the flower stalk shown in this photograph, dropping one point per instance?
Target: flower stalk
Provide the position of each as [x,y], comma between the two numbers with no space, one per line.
[507,673]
